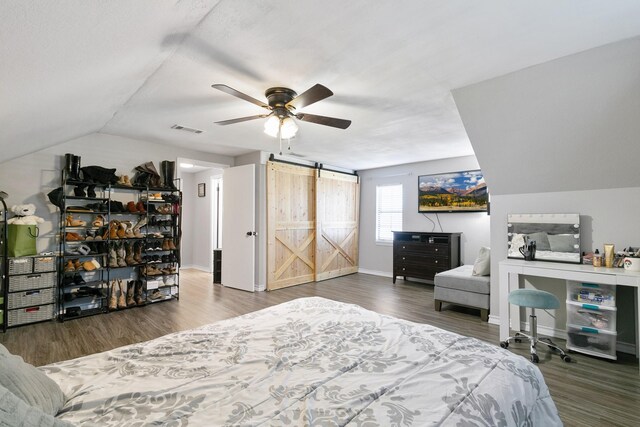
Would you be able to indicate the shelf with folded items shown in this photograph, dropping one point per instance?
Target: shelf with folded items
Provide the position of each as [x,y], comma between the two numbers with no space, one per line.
[77,281]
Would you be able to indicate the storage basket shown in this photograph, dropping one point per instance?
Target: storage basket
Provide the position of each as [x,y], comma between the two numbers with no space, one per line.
[593,341]
[32,281]
[23,316]
[20,265]
[44,264]
[30,298]
[592,316]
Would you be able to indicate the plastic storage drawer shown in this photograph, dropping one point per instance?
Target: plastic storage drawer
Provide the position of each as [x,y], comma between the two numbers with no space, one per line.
[23,316]
[44,263]
[20,265]
[593,341]
[591,293]
[30,298]
[32,281]
[592,316]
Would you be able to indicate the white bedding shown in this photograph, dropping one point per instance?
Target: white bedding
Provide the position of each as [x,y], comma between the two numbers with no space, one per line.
[310,361]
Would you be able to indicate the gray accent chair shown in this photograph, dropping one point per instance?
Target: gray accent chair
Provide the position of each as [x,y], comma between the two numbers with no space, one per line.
[460,287]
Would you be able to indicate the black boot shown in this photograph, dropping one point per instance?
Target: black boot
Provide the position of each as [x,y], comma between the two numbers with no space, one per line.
[72,166]
[79,190]
[168,171]
[91,190]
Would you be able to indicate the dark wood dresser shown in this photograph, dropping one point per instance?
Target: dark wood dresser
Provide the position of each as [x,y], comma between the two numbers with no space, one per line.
[421,255]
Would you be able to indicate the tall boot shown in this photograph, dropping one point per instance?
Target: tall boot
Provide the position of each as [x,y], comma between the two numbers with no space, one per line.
[72,167]
[138,293]
[121,300]
[79,190]
[113,297]
[130,301]
[91,190]
[129,250]
[113,256]
[137,252]
[168,172]
[122,255]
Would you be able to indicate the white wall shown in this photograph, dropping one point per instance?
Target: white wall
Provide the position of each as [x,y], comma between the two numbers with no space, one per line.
[379,258]
[189,195]
[201,244]
[606,216]
[29,178]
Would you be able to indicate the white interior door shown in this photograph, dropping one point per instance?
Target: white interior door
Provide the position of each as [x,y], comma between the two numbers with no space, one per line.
[238,227]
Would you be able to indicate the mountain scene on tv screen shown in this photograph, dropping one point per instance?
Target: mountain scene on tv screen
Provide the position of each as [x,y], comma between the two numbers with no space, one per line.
[458,191]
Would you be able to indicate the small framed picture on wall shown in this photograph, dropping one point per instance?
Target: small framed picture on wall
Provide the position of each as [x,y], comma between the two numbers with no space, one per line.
[201,190]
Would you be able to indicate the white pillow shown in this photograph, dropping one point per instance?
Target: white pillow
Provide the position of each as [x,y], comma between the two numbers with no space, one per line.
[482,266]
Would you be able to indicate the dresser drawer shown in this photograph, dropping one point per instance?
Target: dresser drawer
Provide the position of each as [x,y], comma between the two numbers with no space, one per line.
[421,248]
[421,260]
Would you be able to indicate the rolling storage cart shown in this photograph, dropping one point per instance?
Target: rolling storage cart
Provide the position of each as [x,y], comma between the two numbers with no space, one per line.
[591,319]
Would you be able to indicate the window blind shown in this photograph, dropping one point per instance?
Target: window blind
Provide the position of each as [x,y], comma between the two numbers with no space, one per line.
[388,211]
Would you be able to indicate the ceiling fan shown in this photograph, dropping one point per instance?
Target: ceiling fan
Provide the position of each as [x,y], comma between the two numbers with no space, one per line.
[283,104]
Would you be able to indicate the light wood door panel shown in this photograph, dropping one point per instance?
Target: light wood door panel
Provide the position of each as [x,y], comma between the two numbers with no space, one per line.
[337,214]
[291,225]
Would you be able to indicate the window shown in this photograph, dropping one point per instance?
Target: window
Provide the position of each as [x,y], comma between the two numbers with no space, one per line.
[388,211]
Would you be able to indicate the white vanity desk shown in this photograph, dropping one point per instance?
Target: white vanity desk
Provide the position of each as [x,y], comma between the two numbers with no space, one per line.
[511,270]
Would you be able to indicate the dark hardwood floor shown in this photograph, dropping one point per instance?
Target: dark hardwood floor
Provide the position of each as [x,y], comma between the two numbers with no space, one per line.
[588,392]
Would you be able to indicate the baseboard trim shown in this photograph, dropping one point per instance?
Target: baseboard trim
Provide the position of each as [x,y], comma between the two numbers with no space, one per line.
[375,272]
[494,320]
[197,267]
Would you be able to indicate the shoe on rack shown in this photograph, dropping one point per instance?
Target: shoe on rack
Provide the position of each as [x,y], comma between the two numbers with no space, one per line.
[69,266]
[91,235]
[78,279]
[98,221]
[83,249]
[91,191]
[91,265]
[172,245]
[71,222]
[129,259]
[122,303]
[114,225]
[156,294]
[113,256]
[73,237]
[138,297]
[128,230]
[78,191]
[121,255]
[137,252]
[122,230]
[77,265]
[136,228]
[165,245]
[140,208]
[113,296]
[169,280]
[131,207]
[127,182]
[130,286]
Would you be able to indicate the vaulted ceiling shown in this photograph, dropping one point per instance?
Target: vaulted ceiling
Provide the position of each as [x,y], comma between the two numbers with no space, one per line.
[135,68]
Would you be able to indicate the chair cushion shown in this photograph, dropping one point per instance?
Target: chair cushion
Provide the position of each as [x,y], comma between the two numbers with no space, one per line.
[533,298]
[461,278]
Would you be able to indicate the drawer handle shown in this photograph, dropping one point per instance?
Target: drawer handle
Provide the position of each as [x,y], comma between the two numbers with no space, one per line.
[403,258]
[403,269]
[436,261]
[404,247]
[436,249]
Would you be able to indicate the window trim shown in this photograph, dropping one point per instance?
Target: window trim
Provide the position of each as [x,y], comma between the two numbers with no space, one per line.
[388,242]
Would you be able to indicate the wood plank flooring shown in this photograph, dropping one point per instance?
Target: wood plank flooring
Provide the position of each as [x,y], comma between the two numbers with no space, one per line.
[588,392]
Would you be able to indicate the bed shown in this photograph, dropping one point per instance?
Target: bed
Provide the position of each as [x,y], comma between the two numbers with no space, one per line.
[310,361]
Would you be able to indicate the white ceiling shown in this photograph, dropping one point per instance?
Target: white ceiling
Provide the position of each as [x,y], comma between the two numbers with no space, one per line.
[135,68]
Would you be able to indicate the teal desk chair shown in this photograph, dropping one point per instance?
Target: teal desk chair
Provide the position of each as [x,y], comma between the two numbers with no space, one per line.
[533,299]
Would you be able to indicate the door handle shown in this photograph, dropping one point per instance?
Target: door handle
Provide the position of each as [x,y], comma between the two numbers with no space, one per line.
[251,233]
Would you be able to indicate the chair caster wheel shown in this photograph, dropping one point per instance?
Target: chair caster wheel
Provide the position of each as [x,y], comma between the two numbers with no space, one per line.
[535,358]
[565,358]
[504,344]
[517,340]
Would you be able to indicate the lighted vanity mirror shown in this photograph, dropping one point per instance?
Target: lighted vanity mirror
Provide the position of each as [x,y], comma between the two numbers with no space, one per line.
[557,236]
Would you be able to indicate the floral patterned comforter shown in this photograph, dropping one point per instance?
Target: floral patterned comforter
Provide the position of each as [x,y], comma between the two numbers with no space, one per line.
[311,361]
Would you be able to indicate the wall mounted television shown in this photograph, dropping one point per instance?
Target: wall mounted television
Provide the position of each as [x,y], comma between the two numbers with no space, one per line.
[463,191]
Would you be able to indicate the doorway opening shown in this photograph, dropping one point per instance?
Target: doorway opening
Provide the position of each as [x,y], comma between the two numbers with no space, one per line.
[201,212]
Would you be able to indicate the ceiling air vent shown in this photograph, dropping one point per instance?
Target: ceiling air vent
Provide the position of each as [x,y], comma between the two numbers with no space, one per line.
[186,129]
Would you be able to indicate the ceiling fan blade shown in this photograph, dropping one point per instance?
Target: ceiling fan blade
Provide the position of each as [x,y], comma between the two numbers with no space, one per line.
[313,94]
[242,119]
[232,91]
[323,120]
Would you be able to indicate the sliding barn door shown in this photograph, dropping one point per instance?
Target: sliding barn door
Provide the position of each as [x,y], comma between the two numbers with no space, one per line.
[291,225]
[337,204]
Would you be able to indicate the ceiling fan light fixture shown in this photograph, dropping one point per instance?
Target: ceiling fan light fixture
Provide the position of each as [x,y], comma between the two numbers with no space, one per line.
[271,126]
[287,127]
